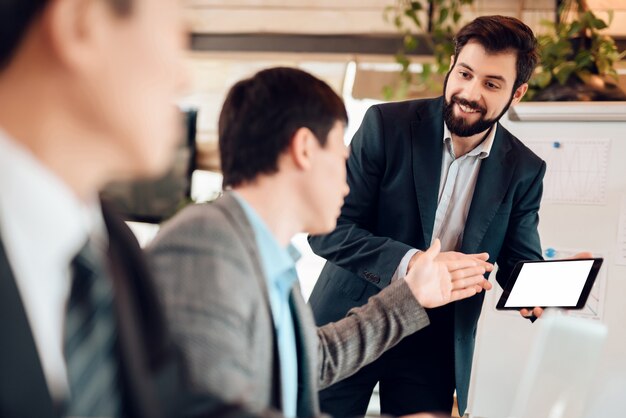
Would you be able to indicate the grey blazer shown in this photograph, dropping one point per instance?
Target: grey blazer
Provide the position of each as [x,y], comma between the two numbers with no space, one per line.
[210,278]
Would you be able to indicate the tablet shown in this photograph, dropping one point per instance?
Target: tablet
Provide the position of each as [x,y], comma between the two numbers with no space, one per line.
[550,284]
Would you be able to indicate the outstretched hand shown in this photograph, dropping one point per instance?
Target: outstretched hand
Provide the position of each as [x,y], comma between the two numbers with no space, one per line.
[436,282]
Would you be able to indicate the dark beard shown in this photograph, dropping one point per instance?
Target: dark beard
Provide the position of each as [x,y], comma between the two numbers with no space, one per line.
[459,126]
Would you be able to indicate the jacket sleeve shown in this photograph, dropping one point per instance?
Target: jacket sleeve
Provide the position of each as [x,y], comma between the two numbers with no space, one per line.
[521,241]
[353,245]
[367,332]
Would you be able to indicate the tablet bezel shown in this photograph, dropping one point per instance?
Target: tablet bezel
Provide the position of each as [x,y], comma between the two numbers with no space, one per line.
[589,281]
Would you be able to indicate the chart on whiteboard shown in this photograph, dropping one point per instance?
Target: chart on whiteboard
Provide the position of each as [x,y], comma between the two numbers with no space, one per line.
[577,169]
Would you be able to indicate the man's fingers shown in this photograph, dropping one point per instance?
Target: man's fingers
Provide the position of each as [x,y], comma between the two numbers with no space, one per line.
[461,263]
[529,313]
[467,272]
[468,277]
[462,294]
[465,262]
[481,256]
[470,282]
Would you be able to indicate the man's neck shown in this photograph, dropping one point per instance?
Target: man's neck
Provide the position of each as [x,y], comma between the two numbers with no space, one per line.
[273,202]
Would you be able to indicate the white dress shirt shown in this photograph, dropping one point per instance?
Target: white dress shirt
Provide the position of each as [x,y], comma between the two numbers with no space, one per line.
[43,225]
[456,188]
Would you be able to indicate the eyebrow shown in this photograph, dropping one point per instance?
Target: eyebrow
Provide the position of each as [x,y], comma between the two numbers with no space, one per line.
[494,77]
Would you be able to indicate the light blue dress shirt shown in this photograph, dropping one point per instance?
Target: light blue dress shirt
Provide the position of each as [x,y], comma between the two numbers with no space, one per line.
[279,266]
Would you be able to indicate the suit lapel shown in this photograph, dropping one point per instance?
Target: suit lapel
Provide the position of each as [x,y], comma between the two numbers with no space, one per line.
[426,149]
[306,345]
[140,345]
[492,184]
[235,213]
[238,219]
[23,388]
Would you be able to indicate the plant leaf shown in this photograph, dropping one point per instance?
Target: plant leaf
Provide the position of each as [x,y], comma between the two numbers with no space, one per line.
[563,71]
[443,14]
[542,79]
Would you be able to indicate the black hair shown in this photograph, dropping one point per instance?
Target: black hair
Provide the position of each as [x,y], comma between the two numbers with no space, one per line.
[17,16]
[500,34]
[261,114]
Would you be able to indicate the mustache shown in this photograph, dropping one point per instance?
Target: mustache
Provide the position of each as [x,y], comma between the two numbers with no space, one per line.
[472,105]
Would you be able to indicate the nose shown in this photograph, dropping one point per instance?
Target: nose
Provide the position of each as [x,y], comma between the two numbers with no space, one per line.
[472,91]
[346,189]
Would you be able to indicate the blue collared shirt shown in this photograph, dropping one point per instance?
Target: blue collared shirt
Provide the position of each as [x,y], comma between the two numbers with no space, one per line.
[279,266]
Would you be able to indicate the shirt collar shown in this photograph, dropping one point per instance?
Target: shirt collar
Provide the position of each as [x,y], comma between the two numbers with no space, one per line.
[42,214]
[276,260]
[481,151]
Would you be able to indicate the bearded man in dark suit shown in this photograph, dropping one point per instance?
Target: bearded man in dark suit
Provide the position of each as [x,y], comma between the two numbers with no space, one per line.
[426,169]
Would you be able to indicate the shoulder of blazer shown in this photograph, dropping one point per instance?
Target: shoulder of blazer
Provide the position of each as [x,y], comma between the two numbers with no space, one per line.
[209,226]
[229,216]
[519,151]
[234,213]
[412,110]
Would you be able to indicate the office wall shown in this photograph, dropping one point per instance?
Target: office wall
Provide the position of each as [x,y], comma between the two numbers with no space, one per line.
[504,338]
[357,16]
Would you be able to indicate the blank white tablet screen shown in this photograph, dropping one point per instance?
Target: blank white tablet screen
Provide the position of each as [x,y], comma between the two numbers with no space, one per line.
[557,283]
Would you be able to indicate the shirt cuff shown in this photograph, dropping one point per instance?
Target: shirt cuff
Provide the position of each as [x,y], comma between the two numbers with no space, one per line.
[400,272]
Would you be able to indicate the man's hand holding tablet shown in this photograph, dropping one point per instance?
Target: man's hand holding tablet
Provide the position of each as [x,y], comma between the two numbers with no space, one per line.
[556,283]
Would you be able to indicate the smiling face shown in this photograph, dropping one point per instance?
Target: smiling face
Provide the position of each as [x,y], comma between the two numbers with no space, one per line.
[479,89]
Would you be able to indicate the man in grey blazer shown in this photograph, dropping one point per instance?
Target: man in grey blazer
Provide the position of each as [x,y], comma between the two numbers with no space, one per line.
[226,271]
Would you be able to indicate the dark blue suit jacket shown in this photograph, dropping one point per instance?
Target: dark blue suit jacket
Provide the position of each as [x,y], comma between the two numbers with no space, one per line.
[394,174]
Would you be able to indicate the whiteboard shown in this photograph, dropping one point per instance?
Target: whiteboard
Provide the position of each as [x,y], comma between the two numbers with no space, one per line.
[581,213]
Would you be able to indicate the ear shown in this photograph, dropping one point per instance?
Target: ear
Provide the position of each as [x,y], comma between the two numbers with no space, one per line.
[451,62]
[302,148]
[519,93]
[75,30]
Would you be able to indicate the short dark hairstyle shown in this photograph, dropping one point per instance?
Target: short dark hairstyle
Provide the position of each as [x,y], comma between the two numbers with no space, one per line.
[16,17]
[261,115]
[499,34]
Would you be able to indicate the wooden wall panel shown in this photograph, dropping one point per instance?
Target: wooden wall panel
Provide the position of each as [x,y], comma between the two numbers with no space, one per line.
[356,16]
[283,20]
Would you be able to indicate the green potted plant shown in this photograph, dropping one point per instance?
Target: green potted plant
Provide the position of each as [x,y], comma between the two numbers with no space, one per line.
[438,21]
[577,61]
[577,58]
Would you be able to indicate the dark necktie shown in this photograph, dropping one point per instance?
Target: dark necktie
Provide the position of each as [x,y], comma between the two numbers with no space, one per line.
[90,341]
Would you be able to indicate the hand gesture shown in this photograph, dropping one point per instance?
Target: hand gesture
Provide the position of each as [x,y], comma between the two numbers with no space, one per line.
[436,283]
